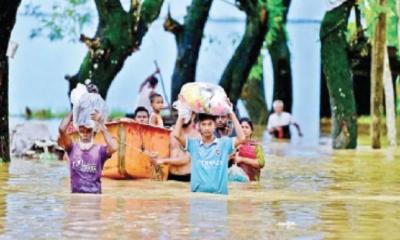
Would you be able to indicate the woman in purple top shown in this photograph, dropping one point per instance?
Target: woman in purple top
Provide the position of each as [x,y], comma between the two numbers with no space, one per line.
[86,159]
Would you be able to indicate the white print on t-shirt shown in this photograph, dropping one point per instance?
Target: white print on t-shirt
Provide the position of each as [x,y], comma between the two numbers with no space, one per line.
[283,119]
[207,164]
[85,168]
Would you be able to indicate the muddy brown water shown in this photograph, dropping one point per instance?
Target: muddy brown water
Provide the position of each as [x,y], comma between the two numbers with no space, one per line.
[305,193]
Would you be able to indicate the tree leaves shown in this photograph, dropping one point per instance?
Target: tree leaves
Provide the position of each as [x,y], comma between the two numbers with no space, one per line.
[65,19]
[276,11]
[370,10]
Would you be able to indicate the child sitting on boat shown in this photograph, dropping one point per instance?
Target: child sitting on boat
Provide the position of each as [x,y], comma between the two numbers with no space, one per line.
[157,104]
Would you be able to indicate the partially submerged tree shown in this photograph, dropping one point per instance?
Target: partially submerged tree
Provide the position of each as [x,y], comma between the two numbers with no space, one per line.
[377,75]
[119,34]
[246,54]
[279,51]
[253,94]
[8,13]
[337,70]
[389,101]
[188,38]
[382,20]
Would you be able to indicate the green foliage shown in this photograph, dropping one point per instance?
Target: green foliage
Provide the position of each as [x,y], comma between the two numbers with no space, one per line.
[47,114]
[392,19]
[116,114]
[65,19]
[257,69]
[351,33]
[276,11]
[370,9]
[398,95]
[149,10]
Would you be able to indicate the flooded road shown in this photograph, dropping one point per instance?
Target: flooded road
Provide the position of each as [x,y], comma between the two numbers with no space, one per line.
[305,193]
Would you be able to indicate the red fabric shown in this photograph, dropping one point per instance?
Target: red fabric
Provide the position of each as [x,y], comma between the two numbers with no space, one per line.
[248,150]
[249,170]
[280,133]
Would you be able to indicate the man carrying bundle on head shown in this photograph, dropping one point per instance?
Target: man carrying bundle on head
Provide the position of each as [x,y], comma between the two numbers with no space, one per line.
[209,155]
[86,159]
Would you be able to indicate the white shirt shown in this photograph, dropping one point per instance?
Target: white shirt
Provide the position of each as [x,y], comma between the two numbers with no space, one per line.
[279,120]
[143,99]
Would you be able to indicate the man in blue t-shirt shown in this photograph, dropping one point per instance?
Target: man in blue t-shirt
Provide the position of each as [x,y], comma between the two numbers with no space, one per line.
[209,155]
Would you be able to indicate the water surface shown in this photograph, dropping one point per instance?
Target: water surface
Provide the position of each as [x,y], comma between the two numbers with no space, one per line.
[305,193]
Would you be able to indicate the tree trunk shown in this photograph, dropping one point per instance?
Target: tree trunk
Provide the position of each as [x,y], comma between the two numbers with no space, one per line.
[389,102]
[398,95]
[337,70]
[188,40]
[8,14]
[377,74]
[253,94]
[238,69]
[280,58]
[398,77]
[118,35]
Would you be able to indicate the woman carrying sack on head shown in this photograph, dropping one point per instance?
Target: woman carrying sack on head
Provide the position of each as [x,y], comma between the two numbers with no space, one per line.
[249,155]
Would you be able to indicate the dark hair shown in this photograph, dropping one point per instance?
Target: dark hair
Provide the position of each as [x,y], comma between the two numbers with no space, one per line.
[248,121]
[204,116]
[153,81]
[154,95]
[185,125]
[140,109]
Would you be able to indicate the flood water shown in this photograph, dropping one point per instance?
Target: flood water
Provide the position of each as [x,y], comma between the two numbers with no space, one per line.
[305,193]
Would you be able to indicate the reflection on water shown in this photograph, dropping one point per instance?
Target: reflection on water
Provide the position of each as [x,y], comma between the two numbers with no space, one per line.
[305,192]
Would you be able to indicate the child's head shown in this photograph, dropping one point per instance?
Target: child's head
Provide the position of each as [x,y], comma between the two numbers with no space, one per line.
[141,115]
[157,102]
[206,125]
[247,127]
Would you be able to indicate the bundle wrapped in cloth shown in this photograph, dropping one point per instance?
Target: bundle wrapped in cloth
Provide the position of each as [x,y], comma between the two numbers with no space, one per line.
[200,97]
[84,104]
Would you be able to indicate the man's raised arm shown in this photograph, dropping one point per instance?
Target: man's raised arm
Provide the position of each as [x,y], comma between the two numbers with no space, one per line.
[178,133]
[238,128]
[64,140]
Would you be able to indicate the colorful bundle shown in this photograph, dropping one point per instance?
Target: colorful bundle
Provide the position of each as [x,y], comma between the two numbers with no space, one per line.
[203,97]
[84,104]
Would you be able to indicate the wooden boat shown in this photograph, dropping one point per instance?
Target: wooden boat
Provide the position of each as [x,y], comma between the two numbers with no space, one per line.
[135,143]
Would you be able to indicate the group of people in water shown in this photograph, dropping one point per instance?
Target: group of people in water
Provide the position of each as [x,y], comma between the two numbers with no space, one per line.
[201,150]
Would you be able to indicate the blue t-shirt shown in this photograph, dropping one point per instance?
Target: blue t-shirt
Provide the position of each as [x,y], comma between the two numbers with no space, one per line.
[210,164]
